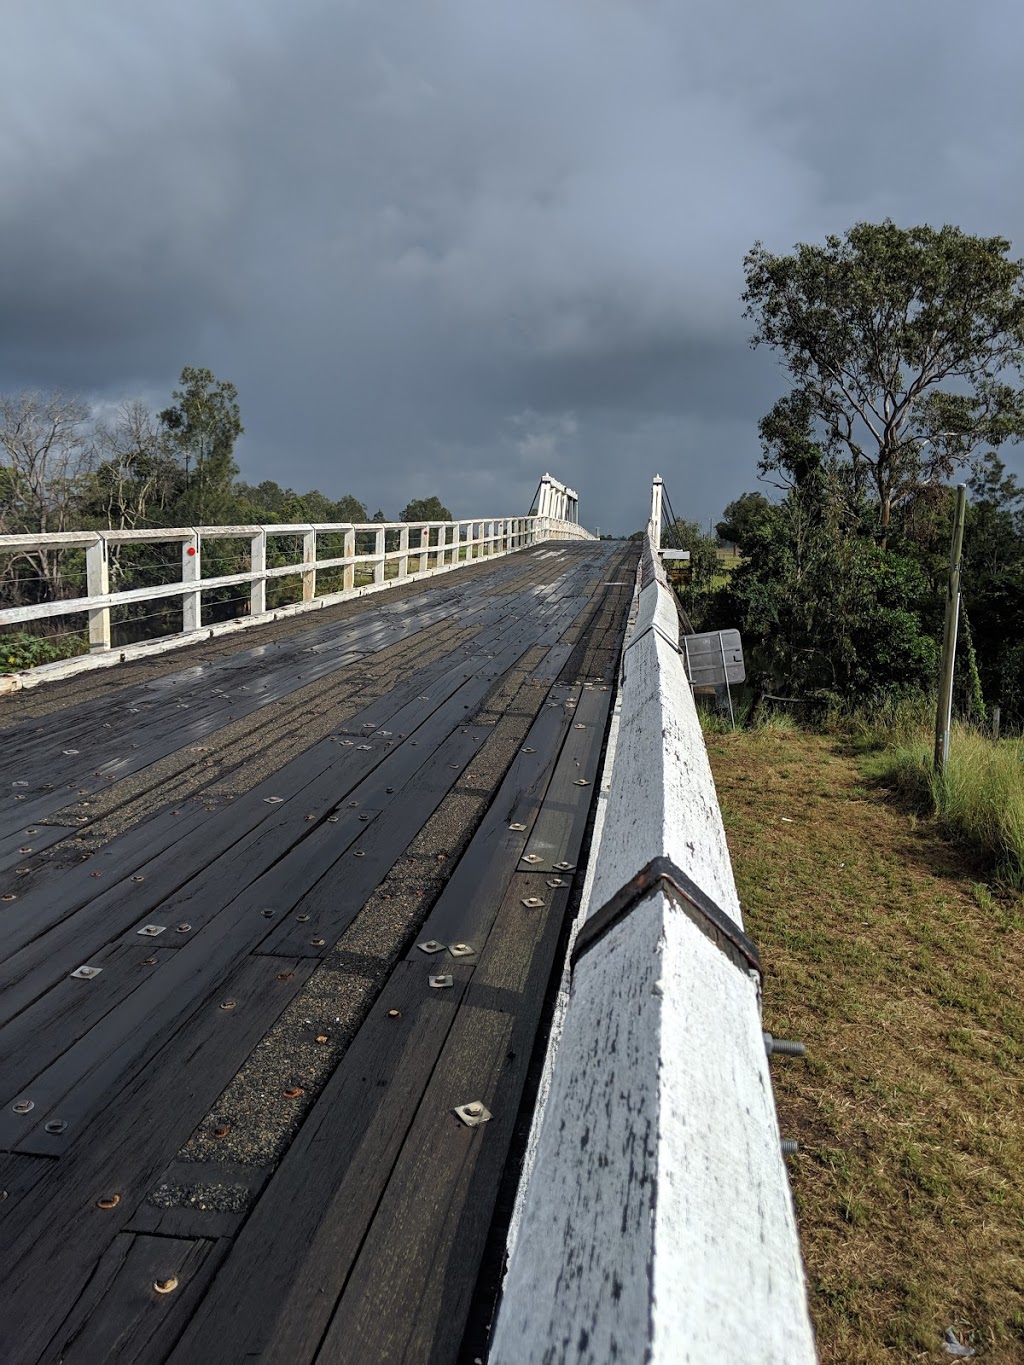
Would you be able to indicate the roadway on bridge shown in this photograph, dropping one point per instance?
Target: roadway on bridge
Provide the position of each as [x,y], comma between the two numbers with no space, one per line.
[232,1136]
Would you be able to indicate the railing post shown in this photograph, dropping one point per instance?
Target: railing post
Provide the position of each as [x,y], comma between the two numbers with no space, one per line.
[191,572]
[656,511]
[424,560]
[258,564]
[348,581]
[309,560]
[379,550]
[97,584]
[403,552]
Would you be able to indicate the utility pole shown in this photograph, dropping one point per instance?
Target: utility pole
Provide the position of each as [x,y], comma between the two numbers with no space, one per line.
[944,711]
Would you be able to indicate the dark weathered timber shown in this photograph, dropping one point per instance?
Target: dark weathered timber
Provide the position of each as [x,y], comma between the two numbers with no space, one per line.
[92,1070]
[18,1173]
[261,831]
[392,1318]
[431,1229]
[123,1152]
[203,1216]
[284,1259]
[467,908]
[317,1207]
[122,1315]
[486,638]
[158,727]
[40,1034]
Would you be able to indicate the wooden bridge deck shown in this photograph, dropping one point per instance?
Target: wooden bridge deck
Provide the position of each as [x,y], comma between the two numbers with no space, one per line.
[233,1137]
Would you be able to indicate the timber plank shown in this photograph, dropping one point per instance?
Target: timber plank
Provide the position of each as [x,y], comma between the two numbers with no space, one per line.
[314,776]
[335,900]
[36,837]
[40,1034]
[121,1315]
[18,1174]
[322,1198]
[411,1289]
[123,855]
[203,1213]
[465,907]
[464,912]
[400,1282]
[139,1131]
[83,1079]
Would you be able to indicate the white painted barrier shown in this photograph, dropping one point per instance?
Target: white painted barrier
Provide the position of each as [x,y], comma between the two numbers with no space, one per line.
[657,1223]
[455,545]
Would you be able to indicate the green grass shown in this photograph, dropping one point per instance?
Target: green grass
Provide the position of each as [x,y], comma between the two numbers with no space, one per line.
[897,962]
[979,798]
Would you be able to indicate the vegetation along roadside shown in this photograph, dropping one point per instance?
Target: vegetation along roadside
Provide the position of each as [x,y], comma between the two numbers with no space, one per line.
[890,953]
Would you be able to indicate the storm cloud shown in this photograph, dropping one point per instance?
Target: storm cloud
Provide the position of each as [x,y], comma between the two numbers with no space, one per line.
[443,246]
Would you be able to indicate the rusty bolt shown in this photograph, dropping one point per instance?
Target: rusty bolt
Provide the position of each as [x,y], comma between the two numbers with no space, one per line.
[394,1014]
[228,1004]
[293,1092]
[322,1038]
[222,1131]
[109,1201]
[167,1286]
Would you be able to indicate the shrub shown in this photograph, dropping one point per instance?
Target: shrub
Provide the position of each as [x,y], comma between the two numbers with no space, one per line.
[22,651]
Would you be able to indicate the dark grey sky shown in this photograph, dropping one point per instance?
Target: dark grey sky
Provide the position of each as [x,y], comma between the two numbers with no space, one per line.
[444,245]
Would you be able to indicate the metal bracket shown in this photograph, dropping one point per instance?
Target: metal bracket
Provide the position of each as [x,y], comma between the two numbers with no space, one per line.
[473,1114]
[662,874]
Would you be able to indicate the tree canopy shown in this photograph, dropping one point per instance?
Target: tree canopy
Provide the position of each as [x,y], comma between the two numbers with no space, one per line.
[203,423]
[905,347]
[741,518]
[426,509]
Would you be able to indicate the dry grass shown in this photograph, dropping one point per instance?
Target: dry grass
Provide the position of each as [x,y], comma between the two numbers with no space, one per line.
[901,970]
[979,798]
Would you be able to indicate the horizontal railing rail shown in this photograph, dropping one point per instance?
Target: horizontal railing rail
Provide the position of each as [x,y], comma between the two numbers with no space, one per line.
[373,555]
[655,1221]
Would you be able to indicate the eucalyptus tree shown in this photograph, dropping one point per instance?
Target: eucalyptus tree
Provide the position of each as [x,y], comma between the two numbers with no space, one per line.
[204,422]
[905,347]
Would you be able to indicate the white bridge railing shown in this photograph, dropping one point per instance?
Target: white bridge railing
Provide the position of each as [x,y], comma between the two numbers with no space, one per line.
[656,1220]
[365,565]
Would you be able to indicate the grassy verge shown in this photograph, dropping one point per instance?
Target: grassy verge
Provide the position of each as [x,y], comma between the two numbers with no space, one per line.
[899,966]
[979,798]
